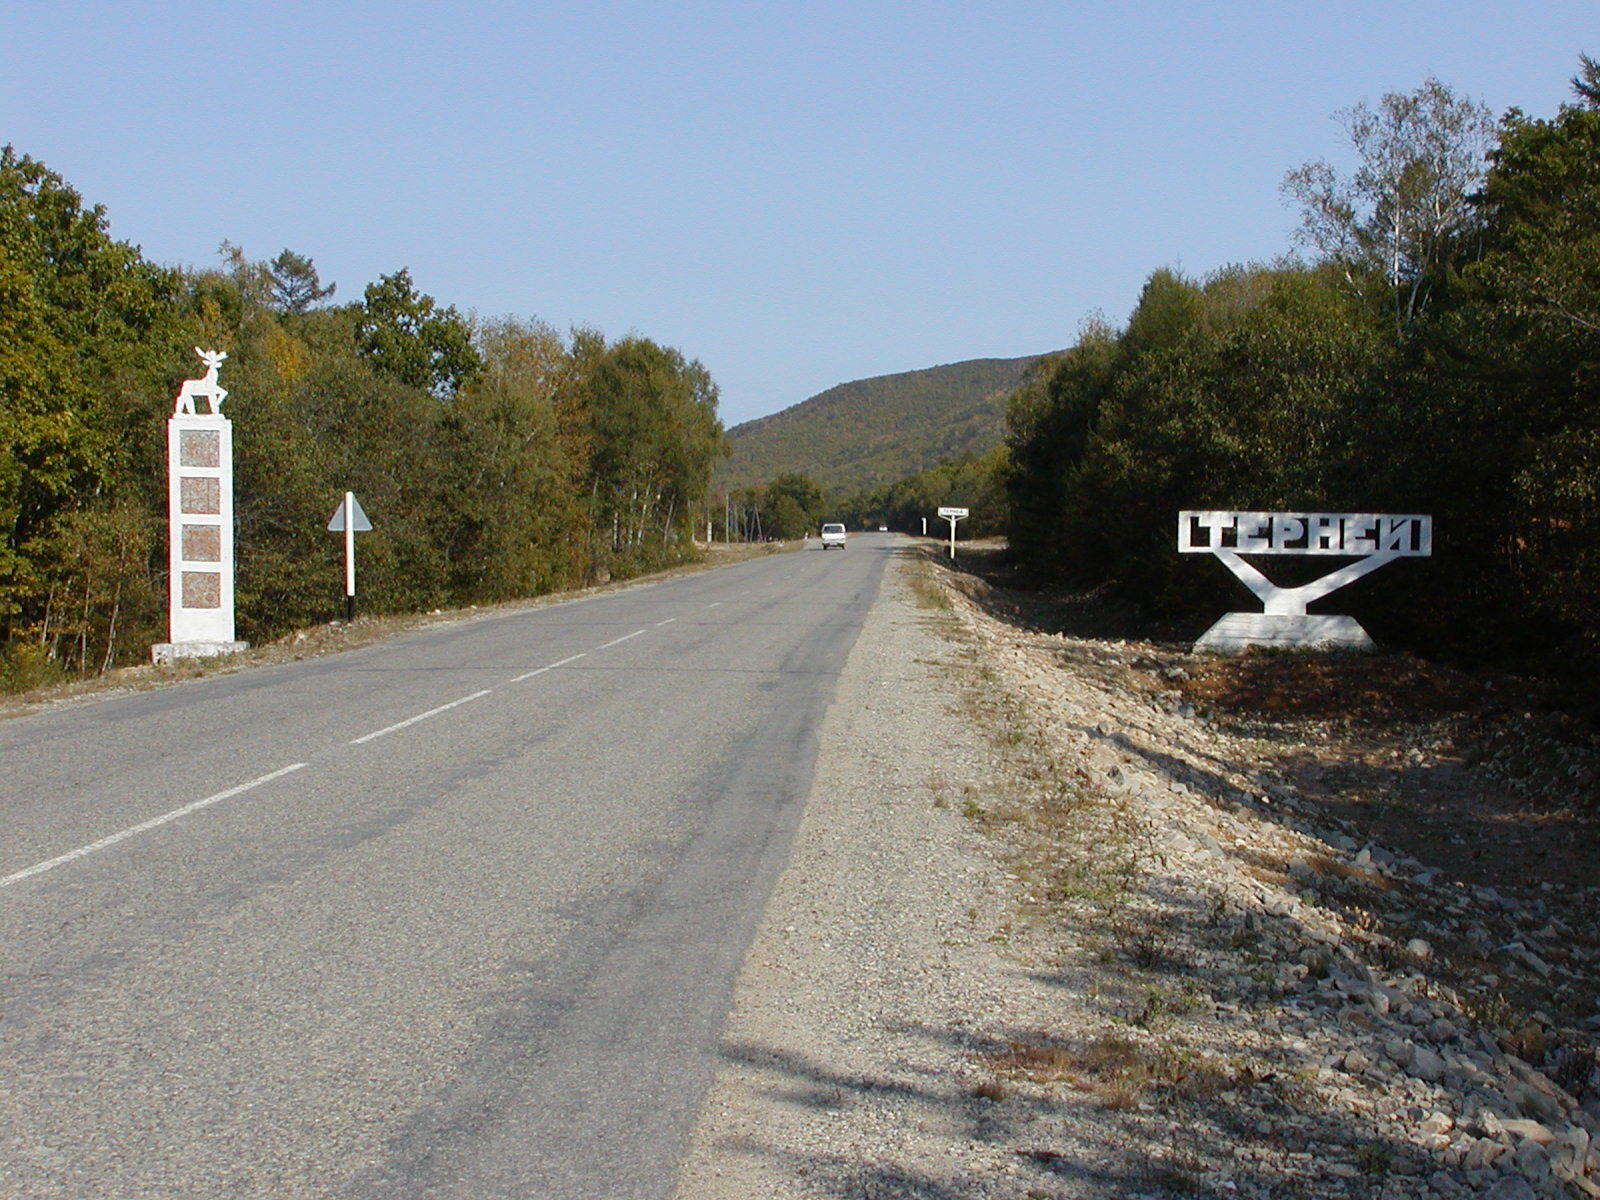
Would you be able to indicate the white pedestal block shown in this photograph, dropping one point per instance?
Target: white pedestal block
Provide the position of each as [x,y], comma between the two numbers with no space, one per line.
[169,652]
[1239,630]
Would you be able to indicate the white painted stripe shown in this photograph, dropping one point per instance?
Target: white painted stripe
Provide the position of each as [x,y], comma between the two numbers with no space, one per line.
[620,640]
[668,621]
[551,667]
[714,604]
[145,826]
[432,712]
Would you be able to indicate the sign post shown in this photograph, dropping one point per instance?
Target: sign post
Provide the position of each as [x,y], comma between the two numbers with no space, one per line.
[953,515]
[924,526]
[1372,538]
[349,520]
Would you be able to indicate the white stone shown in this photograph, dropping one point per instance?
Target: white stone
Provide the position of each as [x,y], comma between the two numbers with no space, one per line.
[1532,1131]
[169,652]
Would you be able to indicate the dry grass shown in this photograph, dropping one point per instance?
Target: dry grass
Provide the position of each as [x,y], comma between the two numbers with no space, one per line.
[1117,1070]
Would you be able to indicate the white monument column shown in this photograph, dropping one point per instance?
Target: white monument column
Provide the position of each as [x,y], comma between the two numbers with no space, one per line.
[200,522]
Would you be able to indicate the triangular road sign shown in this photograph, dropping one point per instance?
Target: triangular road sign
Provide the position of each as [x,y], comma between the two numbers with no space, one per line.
[361,525]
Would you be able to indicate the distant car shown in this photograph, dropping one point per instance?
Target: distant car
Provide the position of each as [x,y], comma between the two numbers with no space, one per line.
[883,529]
[832,535]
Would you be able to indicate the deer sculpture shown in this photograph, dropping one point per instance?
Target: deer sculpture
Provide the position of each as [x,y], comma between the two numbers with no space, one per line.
[204,388]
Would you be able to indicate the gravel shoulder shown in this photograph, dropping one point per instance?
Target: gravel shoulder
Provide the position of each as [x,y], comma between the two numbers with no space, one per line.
[1048,931]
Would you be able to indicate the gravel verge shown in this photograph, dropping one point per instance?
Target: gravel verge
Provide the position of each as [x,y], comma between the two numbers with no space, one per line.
[1044,936]
[854,1054]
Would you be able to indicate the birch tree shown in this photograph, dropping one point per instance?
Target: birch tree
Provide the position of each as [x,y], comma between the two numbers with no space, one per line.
[1420,157]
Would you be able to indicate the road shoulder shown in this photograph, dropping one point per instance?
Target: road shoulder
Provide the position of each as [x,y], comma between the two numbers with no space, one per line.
[851,1056]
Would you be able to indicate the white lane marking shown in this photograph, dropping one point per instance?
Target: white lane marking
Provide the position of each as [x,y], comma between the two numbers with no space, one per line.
[714,604]
[145,826]
[551,667]
[432,712]
[668,621]
[624,638]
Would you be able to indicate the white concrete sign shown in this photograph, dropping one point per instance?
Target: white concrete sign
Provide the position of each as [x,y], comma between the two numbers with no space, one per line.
[1378,538]
[199,521]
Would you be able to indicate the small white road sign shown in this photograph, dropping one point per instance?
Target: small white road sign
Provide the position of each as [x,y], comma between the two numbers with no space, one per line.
[952,515]
[349,520]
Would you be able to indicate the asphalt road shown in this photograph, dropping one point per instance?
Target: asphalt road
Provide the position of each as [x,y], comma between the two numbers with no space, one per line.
[455,915]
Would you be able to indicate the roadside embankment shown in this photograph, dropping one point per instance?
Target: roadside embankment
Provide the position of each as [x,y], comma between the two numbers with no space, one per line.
[1068,917]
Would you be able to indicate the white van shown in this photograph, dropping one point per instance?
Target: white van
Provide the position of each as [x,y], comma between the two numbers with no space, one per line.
[832,535]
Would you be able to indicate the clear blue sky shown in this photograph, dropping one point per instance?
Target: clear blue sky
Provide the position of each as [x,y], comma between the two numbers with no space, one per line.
[796,194]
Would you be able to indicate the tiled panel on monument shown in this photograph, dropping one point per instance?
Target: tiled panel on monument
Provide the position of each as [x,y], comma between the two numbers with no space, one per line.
[202,589]
[202,543]
[201,496]
[199,448]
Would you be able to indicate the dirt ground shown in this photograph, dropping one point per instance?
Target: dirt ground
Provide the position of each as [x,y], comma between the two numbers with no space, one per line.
[1489,770]
[1493,774]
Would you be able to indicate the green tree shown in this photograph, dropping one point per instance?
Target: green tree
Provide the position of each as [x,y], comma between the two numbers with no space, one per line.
[790,506]
[88,335]
[654,435]
[406,334]
[1512,379]
[514,479]
[296,285]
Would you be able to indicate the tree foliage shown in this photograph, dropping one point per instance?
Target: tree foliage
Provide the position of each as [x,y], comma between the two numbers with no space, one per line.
[1404,209]
[405,334]
[296,284]
[498,459]
[1442,355]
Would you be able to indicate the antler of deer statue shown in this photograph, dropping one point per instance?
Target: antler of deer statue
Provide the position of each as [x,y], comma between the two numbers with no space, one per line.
[204,388]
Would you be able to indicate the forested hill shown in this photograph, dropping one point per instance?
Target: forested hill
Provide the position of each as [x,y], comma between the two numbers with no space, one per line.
[877,430]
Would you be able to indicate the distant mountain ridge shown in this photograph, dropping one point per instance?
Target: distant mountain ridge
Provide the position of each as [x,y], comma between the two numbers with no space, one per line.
[878,430]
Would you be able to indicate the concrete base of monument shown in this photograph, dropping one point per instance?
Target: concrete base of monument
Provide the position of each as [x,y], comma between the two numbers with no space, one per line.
[1238,631]
[170,652]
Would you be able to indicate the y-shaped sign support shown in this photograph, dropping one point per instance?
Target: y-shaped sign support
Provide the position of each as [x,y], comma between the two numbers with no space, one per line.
[1291,602]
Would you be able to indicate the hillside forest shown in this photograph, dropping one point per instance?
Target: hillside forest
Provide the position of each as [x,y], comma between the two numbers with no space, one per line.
[496,458]
[1434,347]
[871,432]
